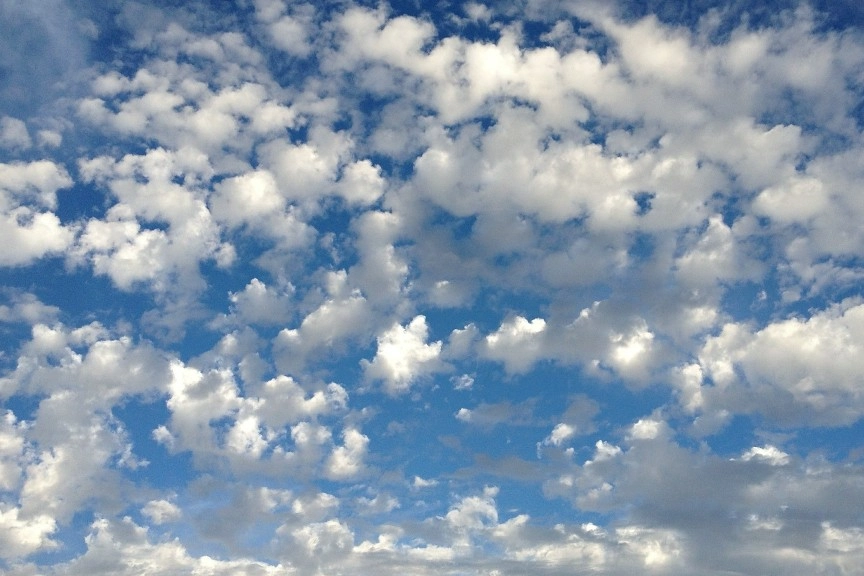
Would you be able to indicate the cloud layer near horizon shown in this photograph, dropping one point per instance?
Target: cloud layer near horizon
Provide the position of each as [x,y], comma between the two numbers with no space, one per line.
[486,289]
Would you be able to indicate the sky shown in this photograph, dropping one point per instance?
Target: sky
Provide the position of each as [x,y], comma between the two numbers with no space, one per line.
[454,288]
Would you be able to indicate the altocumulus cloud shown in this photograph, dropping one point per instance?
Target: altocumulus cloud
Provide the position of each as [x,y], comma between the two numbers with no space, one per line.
[474,288]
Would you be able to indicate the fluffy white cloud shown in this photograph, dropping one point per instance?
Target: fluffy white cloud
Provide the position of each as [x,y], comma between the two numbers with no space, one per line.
[382,270]
[258,304]
[246,198]
[577,420]
[517,343]
[403,355]
[27,235]
[717,257]
[361,183]
[324,543]
[161,511]
[269,427]
[797,200]
[12,452]
[474,512]
[346,461]
[123,547]
[89,363]
[343,315]
[288,32]
[630,353]
[768,453]
[28,308]
[560,434]
[164,258]
[23,536]
[765,484]
[28,231]
[14,133]
[799,371]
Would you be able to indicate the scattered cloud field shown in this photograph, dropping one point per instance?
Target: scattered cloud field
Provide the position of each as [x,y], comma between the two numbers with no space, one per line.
[467,288]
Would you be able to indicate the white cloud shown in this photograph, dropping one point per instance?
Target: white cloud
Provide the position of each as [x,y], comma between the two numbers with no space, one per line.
[49,138]
[403,355]
[717,256]
[283,401]
[517,343]
[85,364]
[123,547]
[161,511]
[308,171]
[26,307]
[474,512]
[630,354]
[361,183]
[346,461]
[658,548]
[258,304]
[14,133]
[463,382]
[577,420]
[27,232]
[343,315]
[325,542]
[465,415]
[291,35]
[560,434]
[800,370]
[769,454]
[27,235]
[22,536]
[382,270]
[246,198]
[12,452]
[647,429]
[423,482]
[797,200]
[166,259]
[557,547]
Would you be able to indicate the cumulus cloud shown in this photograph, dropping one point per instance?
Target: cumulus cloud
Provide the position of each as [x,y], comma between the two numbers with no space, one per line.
[14,133]
[258,304]
[25,536]
[344,314]
[119,546]
[517,343]
[28,193]
[26,307]
[346,461]
[161,511]
[796,371]
[403,355]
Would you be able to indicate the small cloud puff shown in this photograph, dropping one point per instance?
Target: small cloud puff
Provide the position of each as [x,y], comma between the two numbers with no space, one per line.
[14,134]
[161,511]
[518,343]
[403,356]
[768,454]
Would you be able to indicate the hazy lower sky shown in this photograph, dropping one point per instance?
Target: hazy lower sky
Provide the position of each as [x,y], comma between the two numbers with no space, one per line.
[431,288]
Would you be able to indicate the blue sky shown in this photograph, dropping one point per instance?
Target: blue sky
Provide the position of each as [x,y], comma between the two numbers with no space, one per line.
[458,288]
